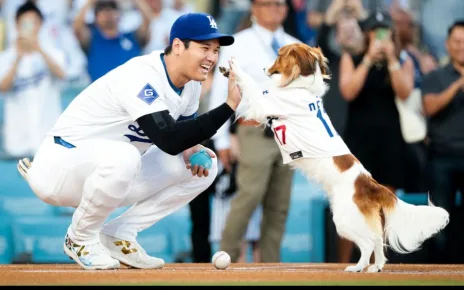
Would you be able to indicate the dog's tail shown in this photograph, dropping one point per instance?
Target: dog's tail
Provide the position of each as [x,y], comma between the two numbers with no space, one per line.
[407,226]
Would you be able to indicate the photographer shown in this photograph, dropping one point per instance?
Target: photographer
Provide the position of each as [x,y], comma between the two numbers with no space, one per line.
[370,82]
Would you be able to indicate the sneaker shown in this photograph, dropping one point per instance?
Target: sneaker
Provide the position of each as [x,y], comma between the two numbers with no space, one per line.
[90,257]
[130,253]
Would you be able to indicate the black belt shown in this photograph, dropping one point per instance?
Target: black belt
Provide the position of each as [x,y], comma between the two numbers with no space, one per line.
[60,141]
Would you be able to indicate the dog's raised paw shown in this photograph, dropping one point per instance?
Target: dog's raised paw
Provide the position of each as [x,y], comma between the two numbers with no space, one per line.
[225,72]
[353,269]
[374,269]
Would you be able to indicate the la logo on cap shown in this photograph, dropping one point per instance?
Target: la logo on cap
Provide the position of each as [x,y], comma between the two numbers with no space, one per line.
[379,17]
[212,22]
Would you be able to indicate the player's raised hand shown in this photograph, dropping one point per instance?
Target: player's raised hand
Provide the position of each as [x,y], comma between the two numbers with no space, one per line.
[233,96]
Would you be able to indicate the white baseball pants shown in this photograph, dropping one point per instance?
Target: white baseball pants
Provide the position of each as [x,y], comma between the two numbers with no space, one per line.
[98,176]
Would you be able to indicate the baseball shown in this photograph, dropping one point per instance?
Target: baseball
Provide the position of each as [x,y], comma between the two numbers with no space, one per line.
[221,260]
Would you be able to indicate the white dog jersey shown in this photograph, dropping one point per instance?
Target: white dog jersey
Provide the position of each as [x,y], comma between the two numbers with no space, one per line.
[302,129]
[109,107]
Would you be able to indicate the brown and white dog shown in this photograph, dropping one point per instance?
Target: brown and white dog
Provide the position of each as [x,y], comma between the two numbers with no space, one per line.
[364,211]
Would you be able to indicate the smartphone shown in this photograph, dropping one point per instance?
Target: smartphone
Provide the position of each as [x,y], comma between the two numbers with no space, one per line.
[381,33]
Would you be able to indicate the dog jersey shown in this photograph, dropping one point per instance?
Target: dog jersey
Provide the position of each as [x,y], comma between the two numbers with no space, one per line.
[306,131]
[109,107]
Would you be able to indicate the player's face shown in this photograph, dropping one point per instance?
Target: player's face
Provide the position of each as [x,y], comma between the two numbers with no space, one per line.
[200,58]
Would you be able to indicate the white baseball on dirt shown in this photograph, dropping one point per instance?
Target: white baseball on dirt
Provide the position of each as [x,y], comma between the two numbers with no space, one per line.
[221,260]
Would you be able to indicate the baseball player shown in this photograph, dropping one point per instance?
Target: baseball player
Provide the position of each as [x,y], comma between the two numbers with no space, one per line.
[126,139]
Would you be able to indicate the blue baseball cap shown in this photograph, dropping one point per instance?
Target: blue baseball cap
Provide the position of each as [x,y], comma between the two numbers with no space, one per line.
[199,27]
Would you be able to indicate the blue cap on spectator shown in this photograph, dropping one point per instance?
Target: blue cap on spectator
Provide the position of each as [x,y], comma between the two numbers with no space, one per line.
[199,27]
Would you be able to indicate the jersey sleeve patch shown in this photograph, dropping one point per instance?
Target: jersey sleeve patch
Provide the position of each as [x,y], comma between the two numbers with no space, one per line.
[148,94]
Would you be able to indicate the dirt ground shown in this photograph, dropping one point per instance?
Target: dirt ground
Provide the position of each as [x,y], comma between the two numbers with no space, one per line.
[236,274]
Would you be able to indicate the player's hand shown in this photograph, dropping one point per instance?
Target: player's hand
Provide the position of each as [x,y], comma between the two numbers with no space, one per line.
[233,93]
[197,170]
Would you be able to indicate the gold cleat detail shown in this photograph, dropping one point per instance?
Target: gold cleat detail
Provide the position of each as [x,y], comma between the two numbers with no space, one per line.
[125,247]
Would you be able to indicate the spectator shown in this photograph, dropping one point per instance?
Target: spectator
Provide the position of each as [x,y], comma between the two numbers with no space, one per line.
[370,82]
[261,176]
[106,47]
[29,77]
[160,26]
[443,97]
[55,28]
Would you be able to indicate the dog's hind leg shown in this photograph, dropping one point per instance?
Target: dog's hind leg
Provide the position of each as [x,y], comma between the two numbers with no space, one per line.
[366,246]
[379,256]
[351,224]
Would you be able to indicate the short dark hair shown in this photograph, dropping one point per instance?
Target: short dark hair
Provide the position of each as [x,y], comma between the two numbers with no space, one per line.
[458,23]
[28,7]
[168,50]
[105,4]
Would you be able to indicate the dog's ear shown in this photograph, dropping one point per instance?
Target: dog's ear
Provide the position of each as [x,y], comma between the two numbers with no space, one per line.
[299,59]
[287,65]
[323,62]
[291,67]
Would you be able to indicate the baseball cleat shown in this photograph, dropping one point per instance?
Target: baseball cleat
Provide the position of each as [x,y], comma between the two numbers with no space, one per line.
[130,253]
[90,257]
[23,167]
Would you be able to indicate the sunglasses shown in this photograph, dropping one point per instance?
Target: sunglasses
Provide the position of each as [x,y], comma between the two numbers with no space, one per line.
[271,3]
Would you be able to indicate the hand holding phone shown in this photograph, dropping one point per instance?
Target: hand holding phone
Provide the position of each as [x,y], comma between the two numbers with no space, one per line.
[381,33]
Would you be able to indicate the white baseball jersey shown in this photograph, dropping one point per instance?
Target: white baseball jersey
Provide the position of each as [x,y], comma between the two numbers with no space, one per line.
[306,131]
[109,107]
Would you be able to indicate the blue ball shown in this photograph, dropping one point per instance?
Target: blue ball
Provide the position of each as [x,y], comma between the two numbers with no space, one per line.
[201,158]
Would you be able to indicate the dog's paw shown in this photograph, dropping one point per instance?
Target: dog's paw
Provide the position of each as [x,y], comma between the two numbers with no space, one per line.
[375,269]
[353,269]
[225,72]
